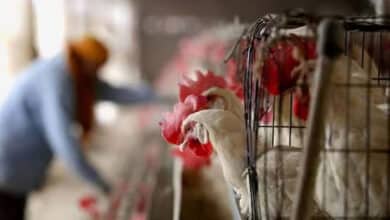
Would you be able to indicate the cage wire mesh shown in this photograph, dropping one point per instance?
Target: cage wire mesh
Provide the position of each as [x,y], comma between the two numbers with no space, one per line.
[276,66]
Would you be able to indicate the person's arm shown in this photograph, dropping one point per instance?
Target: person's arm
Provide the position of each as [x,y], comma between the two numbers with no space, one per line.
[127,96]
[57,128]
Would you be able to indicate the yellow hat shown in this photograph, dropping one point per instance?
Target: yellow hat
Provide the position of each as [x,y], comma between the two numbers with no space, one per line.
[90,49]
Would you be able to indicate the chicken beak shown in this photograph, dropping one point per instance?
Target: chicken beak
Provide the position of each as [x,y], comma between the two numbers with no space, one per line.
[201,134]
[183,146]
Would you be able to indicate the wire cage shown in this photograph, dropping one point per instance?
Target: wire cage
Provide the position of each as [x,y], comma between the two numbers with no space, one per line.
[317,120]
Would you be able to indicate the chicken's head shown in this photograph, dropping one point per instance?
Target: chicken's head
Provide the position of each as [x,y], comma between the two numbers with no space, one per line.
[196,139]
[284,60]
[192,136]
[171,123]
[212,130]
[287,64]
[171,129]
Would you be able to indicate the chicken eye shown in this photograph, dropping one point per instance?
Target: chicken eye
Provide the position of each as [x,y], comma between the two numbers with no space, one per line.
[189,127]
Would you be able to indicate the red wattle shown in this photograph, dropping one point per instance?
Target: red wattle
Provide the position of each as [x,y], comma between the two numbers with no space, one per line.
[201,150]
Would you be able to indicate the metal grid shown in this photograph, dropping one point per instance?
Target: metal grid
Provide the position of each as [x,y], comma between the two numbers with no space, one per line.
[284,132]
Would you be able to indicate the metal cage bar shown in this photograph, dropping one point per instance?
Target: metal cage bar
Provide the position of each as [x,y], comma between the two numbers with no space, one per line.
[371,30]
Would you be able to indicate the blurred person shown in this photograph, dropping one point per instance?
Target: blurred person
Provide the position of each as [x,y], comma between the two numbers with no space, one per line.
[37,120]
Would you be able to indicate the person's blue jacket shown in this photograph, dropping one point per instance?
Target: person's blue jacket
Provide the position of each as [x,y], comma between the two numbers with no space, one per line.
[36,123]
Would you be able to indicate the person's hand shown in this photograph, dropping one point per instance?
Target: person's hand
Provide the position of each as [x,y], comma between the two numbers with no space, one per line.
[106,189]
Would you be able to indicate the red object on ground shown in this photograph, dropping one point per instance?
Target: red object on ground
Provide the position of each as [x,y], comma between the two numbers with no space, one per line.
[88,204]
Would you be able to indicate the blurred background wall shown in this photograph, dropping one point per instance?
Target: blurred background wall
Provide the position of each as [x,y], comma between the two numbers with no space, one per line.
[162,23]
[141,34]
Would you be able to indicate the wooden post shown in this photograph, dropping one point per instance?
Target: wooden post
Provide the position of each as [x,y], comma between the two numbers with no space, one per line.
[328,50]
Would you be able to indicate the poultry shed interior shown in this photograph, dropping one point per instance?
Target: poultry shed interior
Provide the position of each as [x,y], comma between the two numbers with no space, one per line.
[183,110]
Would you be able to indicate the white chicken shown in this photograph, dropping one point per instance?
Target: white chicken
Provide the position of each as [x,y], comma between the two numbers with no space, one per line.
[353,122]
[361,178]
[226,115]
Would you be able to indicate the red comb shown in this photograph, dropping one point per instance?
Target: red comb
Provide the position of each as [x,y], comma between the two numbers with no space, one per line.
[171,123]
[202,82]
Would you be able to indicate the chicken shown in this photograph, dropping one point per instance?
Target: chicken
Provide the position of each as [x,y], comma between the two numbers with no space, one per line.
[332,189]
[334,183]
[227,109]
[226,134]
[222,99]
[365,181]
[340,179]
[208,167]
[220,96]
[171,125]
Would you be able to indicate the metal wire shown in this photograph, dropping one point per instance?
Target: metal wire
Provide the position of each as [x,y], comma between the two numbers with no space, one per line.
[263,32]
[252,174]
